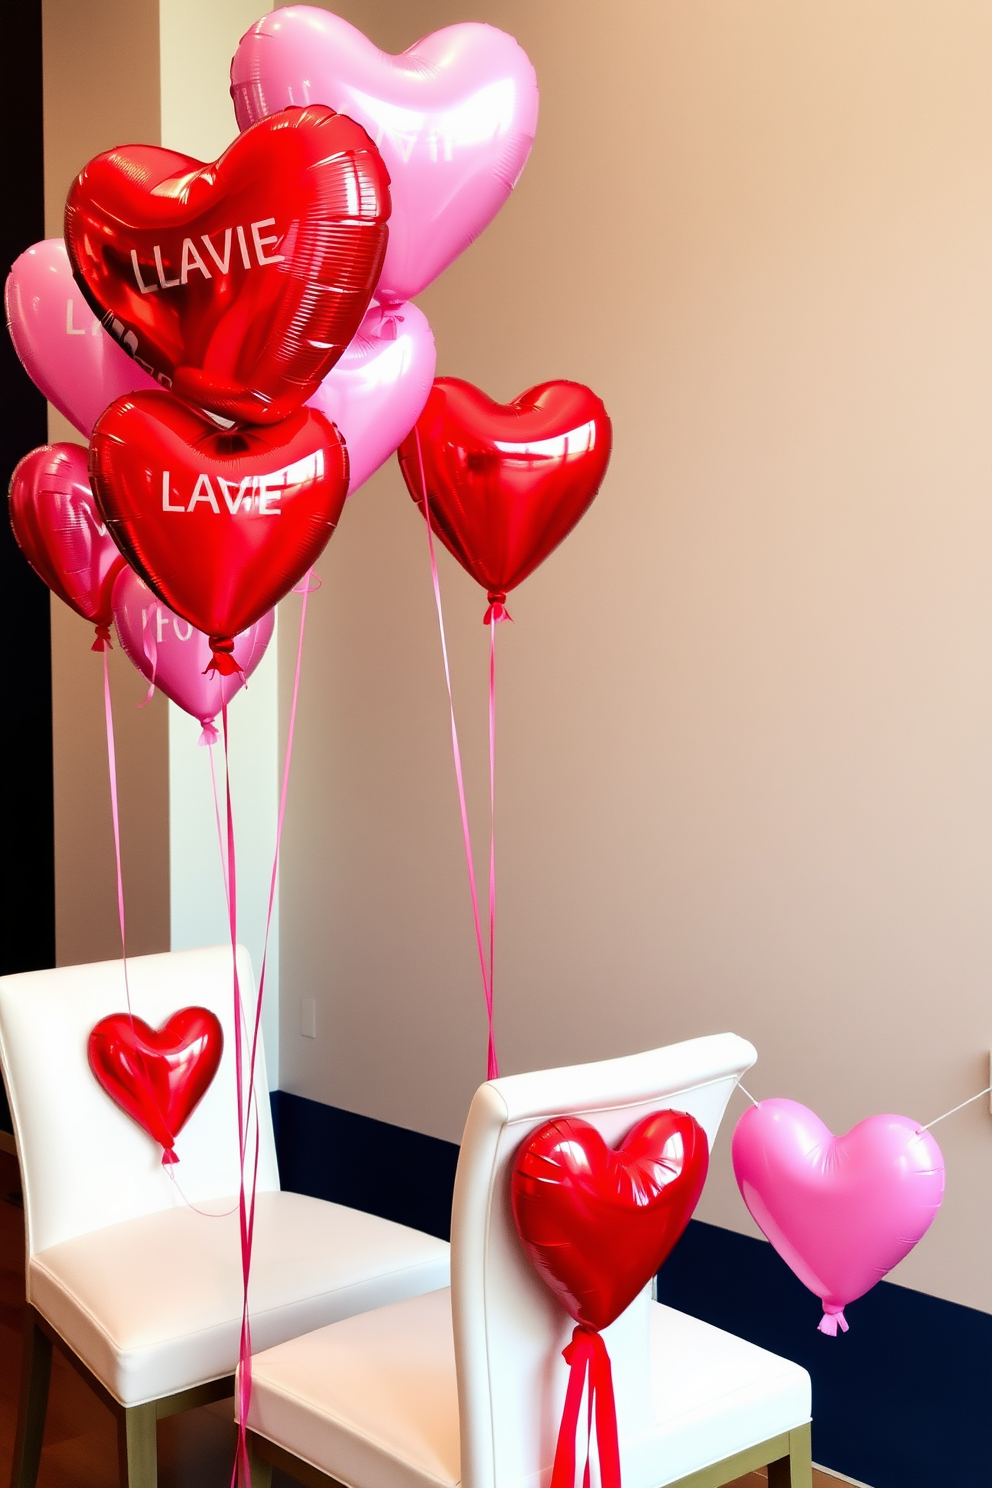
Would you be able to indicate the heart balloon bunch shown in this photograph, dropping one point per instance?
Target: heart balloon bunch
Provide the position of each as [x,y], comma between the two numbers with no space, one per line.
[236,286]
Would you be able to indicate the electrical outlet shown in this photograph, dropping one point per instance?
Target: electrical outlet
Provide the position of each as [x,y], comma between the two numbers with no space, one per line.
[308,1017]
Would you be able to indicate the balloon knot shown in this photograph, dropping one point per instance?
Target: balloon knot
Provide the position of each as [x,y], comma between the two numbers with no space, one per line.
[497,611]
[222,660]
[209,736]
[832,1319]
[103,641]
[168,1156]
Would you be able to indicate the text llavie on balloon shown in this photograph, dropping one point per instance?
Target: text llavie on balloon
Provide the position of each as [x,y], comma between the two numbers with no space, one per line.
[240,283]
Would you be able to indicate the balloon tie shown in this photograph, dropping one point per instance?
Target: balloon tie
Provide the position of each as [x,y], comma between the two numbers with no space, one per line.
[590,1375]
[102,641]
[832,1319]
[492,1062]
[497,611]
[208,738]
[222,658]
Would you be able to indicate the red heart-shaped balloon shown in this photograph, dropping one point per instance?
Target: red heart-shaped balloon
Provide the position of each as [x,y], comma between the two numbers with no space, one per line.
[158,1076]
[237,284]
[61,532]
[506,482]
[219,524]
[598,1223]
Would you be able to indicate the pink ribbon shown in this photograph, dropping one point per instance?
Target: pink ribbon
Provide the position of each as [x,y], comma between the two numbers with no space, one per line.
[492,1062]
[241,1472]
[832,1319]
[590,1374]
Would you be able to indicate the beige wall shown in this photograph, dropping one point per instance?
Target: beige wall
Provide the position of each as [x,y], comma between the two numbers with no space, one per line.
[745,752]
[101,78]
[117,71]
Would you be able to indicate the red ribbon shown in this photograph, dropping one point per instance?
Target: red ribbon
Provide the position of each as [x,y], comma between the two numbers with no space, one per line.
[590,1375]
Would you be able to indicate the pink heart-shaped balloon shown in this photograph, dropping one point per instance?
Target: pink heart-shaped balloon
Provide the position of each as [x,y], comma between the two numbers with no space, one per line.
[378,389]
[174,656]
[62,346]
[840,1211]
[454,118]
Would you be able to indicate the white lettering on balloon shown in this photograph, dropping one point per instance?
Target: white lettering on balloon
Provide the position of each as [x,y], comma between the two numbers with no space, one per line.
[192,261]
[258,494]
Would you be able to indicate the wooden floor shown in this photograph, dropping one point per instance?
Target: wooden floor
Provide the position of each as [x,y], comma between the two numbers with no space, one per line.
[195,1450]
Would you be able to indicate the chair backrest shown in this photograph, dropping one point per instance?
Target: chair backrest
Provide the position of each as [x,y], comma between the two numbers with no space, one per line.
[509,1328]
[84,1163]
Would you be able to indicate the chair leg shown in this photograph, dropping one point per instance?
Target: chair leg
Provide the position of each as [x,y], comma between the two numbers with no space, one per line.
[137,1446]
[261,1470]
[36,1372]
[796,1470]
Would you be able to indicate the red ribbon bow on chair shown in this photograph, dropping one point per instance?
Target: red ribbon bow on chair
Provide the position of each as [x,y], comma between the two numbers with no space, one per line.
[597,1223]
[591,1374]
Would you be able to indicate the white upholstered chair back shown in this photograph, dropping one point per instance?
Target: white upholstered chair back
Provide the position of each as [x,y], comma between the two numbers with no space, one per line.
[509,1329]
[84,1163]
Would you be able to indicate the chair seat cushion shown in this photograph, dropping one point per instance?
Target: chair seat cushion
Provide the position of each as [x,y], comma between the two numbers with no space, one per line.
[153,1305]
[373,1401]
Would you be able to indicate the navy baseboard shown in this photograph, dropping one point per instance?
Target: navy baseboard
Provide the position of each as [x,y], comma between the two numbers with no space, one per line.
[904,1400]
[366,1164]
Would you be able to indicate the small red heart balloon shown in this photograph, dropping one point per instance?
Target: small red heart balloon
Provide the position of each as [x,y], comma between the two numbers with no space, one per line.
[506,482]
[62,535]
[220,524]
[237,284]
[598,1223]
[158,1076]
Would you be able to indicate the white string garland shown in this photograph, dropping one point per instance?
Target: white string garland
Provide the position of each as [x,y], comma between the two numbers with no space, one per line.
[952,1112]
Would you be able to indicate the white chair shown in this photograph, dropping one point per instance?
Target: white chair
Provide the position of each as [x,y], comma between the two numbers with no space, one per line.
[467,1386]
[140,1291]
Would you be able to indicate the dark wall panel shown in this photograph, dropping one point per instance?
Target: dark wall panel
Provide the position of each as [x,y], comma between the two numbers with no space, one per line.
[27,867]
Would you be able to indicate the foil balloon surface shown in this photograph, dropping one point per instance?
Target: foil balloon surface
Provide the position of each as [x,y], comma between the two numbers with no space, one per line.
[238,284]
[840,1211]
[157,1076]
[175,657]
[61,344]
[506,482]
[61,532]
[220,524]
[597,1223]
[378,389]
[454,118]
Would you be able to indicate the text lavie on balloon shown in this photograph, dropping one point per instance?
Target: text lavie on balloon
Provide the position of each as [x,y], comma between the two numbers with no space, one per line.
[596,1224]
[506,483]
[220,525]
[175,657]
[454,117]
[158,1076]
[840,1211]
[60,531]
[237,284]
